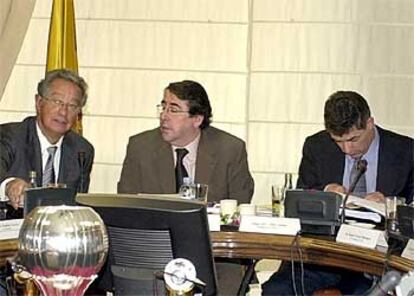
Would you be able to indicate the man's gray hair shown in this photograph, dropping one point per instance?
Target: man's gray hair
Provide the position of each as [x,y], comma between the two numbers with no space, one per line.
[65,74]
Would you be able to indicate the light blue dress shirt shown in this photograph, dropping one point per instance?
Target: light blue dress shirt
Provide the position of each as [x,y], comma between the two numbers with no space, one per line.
[372,168]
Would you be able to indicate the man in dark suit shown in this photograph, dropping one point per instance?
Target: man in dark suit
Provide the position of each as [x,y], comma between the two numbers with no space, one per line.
[45,143]
[328,158]
[212,156]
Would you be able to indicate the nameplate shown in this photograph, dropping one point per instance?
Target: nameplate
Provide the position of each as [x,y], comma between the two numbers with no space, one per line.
[274,225]
[214,222]
[9,229]
[361,237]
[409,250]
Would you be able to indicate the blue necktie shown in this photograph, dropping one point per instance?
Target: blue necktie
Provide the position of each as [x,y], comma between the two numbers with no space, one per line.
[361,186]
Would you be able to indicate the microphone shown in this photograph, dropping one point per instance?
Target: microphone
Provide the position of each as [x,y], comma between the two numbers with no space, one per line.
[81,161]
[387,284]
[361,168]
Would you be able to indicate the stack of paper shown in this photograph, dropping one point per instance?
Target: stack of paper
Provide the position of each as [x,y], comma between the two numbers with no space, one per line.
[374,206]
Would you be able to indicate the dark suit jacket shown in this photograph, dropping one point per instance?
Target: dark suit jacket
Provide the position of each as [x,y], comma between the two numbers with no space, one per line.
[323,163]
[221,163]
[20,153]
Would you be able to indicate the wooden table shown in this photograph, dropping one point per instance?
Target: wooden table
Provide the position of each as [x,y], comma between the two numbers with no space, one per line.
[314,250]
[8,248]
[270,246]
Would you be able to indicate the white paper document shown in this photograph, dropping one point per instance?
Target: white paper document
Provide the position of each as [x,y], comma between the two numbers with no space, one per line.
[377,207]
[371,216]
[9,229]
[214,222]
[409,250]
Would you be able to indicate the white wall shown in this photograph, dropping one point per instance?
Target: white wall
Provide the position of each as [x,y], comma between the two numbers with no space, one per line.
[267,65]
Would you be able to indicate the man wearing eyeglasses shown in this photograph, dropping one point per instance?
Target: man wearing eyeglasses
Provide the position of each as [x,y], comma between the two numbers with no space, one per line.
[212,156]
[45,143]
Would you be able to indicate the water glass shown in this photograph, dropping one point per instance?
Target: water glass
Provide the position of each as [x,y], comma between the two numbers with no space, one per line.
[278,197]
[391,203]
[195,191]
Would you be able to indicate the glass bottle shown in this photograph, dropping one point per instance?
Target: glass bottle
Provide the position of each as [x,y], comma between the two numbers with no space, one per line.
[32,179]
[288,181]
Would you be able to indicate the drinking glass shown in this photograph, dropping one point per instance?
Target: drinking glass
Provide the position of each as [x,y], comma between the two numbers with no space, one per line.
[200,192]
[391,203]
[278,197]
[197,191]
[228,210]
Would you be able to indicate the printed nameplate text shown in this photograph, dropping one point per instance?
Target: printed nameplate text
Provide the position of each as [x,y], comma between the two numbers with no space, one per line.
[285,226]
[409,250]
[358,236]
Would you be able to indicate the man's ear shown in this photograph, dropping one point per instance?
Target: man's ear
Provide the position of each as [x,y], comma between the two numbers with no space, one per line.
[370,122]
[198,120]
[38,100]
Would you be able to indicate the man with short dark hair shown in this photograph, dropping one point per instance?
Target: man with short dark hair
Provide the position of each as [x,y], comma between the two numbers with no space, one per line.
[210,156]
[28,145]
[213,157]
[328,162]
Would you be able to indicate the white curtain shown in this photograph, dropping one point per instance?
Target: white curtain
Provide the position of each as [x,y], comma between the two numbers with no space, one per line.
[14,19]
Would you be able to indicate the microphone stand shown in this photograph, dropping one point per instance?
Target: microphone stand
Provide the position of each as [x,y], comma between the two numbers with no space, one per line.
[81,160]
[361,168]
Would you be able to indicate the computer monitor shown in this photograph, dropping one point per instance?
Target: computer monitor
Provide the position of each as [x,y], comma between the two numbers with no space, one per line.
[145,233]
[50,196]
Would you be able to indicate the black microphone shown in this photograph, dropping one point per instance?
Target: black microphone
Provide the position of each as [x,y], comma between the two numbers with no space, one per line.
[388,283]
[81,161]
[361,168]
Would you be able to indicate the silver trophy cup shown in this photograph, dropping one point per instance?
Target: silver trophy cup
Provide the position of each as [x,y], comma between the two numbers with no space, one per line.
[63,248]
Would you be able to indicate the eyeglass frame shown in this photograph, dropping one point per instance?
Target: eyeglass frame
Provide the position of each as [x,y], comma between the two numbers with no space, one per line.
[73,108]
[161,108]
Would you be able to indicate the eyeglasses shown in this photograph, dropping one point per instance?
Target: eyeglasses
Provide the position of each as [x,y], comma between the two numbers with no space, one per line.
[174,110]
[73,108]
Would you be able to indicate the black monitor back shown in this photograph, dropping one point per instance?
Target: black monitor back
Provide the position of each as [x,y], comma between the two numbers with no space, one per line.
[405,215]
[318,210]
[50,196]
[145,233]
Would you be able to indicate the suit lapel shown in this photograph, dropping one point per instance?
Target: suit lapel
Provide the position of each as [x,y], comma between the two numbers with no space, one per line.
[68,167]
[34,155]
[206,161]
[388,172]
[164,165]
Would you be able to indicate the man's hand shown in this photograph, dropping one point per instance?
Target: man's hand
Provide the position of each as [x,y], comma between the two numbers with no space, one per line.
[15,191]
[375,196]
[334,187]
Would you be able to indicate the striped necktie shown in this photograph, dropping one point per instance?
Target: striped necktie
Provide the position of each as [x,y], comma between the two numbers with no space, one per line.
[49,171]
[361,186]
